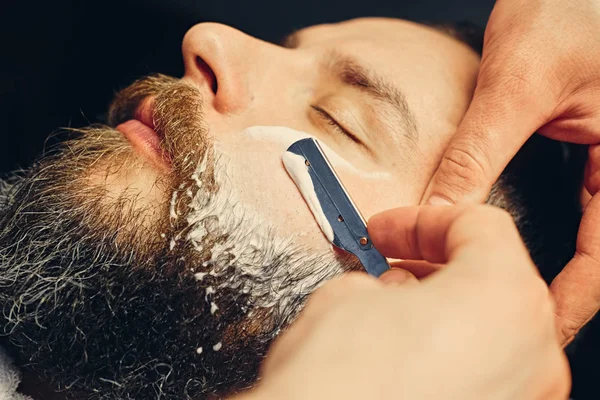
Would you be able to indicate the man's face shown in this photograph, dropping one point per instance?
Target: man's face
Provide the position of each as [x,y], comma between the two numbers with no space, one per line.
[384,95]
[166,254]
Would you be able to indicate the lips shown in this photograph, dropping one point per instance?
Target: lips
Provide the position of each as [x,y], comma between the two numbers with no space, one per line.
[140,132]
[144,112]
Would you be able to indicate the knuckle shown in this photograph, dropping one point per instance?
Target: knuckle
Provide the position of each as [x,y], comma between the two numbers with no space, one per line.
[590,258]
[464,168]
[567,329]
[412,243]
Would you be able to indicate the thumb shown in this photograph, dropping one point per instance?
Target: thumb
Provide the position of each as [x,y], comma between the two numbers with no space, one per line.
[397,276]
[592,173]
[502,116]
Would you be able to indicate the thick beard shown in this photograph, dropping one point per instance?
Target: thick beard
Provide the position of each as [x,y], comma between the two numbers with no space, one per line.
[105,307]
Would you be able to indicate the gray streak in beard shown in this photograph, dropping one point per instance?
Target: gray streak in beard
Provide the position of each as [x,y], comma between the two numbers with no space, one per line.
[75,304]
[243,258]
[235,246]
[117,317]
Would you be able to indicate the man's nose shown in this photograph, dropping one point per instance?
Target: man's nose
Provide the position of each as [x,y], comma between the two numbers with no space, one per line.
[219,60]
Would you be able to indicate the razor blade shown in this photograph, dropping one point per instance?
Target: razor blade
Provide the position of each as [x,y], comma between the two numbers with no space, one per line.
[349,227]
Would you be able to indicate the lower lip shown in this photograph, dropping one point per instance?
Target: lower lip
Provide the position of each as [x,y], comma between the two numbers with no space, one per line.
[145,141]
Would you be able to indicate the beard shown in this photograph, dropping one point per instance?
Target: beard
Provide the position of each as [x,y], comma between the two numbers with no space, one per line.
[106,299]
[104,302]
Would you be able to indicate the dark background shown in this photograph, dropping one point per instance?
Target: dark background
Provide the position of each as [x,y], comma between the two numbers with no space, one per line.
[62,61]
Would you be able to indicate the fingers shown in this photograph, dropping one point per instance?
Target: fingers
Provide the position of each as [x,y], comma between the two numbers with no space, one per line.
[576,289]
[412,233]
[330,295]
[592,173]
[503,114]
[418,268]
[397,276]
[481,235]
[323,299]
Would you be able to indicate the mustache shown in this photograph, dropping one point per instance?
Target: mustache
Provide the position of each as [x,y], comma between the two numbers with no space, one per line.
[127,100]
[176,110]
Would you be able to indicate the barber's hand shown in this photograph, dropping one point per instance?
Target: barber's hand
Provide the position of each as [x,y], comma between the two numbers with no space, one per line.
[540,71]
[481,328]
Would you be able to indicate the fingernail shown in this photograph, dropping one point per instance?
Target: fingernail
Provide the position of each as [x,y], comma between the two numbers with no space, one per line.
[438,201]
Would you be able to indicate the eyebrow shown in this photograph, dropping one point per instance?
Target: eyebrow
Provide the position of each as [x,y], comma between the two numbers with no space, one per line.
[350,72]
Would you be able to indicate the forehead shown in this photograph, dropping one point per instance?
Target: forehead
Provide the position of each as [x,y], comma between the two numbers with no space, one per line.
[386,34]
[436,71]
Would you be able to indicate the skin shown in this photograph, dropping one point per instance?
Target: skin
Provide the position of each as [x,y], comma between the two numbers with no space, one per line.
[259,83]
[539,72]
[489,280]
[246,82]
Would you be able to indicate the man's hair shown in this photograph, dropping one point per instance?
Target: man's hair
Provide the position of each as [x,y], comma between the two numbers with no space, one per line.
[466,32]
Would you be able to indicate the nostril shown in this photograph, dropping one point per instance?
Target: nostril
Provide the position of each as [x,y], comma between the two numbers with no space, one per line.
[207,73]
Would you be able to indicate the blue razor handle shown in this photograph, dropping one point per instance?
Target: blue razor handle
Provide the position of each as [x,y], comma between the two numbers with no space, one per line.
[349,227]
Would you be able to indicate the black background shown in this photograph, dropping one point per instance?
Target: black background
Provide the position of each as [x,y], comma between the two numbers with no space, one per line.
[62,61]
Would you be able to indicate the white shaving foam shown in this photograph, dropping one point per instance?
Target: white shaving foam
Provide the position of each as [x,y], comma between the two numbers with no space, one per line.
[200,168]
[172,205]
[199,275]
[298,171]
[286,136]
[235,259]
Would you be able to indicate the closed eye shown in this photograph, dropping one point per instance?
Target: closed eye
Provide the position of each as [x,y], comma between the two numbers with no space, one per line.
[338,128]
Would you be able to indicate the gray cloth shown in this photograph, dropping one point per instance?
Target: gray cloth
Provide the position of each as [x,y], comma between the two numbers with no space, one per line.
[9,380]
[5,187]
[9,375]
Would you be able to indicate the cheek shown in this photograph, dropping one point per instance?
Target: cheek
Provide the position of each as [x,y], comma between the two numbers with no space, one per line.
[261,184]
[264,188]
[259,180]
[373,197]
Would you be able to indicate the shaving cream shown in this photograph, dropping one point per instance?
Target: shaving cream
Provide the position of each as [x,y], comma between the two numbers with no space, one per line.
[296,167]
[287,136]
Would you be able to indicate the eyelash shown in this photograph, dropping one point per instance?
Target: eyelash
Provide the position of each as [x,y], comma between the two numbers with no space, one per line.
[336,125]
